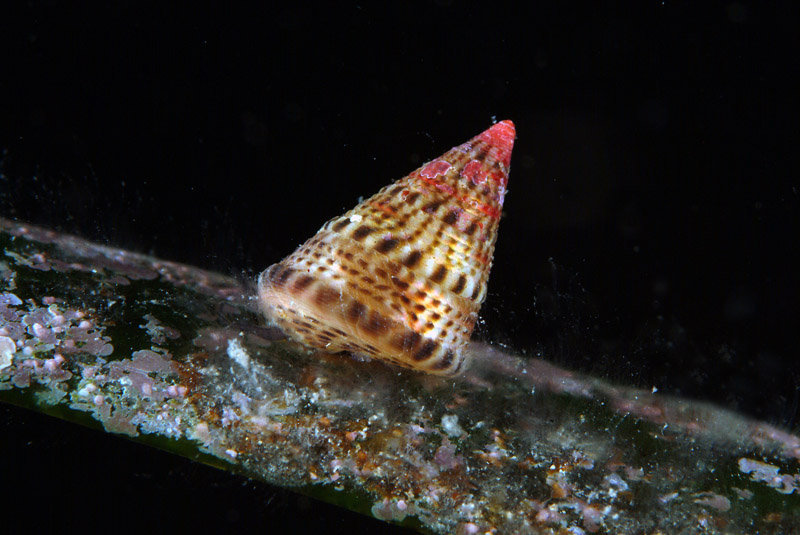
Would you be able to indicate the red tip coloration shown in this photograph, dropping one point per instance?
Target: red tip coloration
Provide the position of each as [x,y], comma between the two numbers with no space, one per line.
[501,137]
[401,276]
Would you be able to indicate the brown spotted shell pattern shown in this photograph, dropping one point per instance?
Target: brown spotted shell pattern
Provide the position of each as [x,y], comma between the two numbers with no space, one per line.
[401,276]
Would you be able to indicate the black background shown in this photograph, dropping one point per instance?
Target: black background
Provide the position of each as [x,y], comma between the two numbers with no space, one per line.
[652,218]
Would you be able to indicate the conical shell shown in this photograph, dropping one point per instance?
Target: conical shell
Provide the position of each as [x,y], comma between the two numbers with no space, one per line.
[401,276]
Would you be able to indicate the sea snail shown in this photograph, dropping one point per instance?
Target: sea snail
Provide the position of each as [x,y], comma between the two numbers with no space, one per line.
[401,276]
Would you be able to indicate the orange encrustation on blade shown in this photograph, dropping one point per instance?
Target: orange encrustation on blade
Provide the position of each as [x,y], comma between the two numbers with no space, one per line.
[401,276]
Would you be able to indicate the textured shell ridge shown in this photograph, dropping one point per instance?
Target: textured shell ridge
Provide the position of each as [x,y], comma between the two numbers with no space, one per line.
[402,275]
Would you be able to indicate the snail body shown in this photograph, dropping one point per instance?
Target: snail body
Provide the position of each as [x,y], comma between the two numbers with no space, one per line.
[401,277]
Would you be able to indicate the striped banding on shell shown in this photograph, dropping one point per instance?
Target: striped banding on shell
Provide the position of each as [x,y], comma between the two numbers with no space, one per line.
[401,276]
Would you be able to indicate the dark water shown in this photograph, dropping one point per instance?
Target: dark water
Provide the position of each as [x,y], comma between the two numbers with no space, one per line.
[653,203]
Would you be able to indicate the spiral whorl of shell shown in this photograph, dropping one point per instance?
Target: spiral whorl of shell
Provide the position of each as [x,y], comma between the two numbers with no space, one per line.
[401,276]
